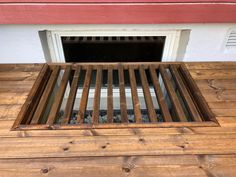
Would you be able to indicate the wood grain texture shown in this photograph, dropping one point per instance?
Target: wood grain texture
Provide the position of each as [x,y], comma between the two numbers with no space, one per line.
[59,96]
[110,96]
[123,107]
[173,96]
[147,95]
[97,96]
[135,99]
[84,97]
[193,111]
[72,96]
[172,151]
[160,97]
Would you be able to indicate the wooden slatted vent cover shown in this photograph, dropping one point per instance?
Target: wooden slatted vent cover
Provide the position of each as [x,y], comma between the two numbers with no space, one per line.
[114,95]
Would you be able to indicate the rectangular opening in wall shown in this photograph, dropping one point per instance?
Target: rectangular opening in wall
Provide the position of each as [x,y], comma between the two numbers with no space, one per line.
[113,48]
[108,95]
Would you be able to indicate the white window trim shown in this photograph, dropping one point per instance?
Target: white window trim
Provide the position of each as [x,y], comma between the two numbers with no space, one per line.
[57,53]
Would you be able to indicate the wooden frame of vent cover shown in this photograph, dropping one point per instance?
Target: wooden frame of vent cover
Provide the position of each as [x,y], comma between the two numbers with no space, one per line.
[194,102]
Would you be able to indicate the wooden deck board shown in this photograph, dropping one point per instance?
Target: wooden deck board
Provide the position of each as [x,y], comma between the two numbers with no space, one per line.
[198,166]
[195,150]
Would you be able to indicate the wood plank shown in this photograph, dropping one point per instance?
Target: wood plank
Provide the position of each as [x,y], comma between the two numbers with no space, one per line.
[18,76]
[59,96]
[213,74]
[45,96]
[224,112]
[123,106]
[210,65]
[11,98]
[72,96]
[227,121]
[222,105]
[84,97]
[15,86]
[21,67]
[118,126]
[196,93]
[160,97]
[192,109]
[110,96]
[31,97]
[117,145]
[5,125]
[9,111]
[135,99]
[97,95]
[174,165]
[216,84]
[147,95]
[172,94]
[219,95]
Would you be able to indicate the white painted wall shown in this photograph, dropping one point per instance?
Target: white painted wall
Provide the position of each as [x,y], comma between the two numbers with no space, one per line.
[21,43]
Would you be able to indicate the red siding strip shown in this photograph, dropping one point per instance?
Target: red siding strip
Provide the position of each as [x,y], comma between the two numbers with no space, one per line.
[62,13]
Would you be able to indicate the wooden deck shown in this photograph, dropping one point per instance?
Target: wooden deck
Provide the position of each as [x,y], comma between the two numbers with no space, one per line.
[195,151]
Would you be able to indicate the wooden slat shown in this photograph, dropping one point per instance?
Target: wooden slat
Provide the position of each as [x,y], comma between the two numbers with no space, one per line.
[72,96]
[84,97]
[123,106]
[110,96]
[160,97]
[184,94]
[31,97]
[205,110]
[172,94]
[151,166]
[59,96]
[135,99]
[46,94]
[97,95]
[147,95]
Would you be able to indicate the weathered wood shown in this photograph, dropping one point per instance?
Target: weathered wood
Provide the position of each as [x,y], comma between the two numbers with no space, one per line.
[216,84]
[59,97]
[206,112]
[97,95]
[31,97]
[219,95]
[160,97]
[148,99]
[123,106]
[117,145]
[175,165]
[28,152]
[18,76]
[45,96]
[213,74]
[135,99]
[192,109]
[110,96]
[172,94]
[84,97]
[72,96]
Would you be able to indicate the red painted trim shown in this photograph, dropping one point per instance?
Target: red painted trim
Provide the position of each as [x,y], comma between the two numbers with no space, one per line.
[154,13]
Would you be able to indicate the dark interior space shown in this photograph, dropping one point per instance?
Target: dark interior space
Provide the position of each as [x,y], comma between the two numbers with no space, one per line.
[113,49]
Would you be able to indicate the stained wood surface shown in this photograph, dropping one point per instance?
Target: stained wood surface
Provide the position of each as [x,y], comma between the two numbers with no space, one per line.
[177,151]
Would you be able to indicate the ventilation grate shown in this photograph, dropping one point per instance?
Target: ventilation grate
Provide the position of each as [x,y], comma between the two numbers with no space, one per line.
[169,97]
[231,42]
[117,39]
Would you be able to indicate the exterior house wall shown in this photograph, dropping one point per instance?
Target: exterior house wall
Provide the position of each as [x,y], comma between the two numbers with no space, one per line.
[206,42]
